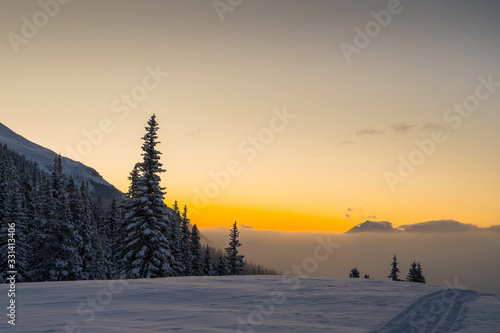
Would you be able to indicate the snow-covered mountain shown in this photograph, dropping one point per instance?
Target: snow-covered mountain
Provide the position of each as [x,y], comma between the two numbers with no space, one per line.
[45,158]
[372,226]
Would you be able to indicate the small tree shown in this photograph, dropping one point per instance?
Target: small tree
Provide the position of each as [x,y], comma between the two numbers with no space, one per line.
[221,266]
[420,276]
[412,274]
[234,260]
[354,273]
[367,276]
[395,270]
[207,262]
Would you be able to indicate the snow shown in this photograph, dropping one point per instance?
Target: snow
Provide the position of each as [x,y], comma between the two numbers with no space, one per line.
[250,304]
[45,157]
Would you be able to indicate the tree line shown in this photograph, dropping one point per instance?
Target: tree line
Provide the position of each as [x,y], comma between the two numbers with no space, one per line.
[63,233]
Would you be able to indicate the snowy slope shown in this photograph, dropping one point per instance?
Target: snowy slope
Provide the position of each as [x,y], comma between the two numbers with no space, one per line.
[45,158]
[250,304]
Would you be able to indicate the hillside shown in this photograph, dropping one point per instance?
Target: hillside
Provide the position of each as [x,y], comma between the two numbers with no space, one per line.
[251,304]
[45,158]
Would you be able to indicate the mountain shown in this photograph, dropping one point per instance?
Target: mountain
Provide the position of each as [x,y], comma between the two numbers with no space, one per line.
[372,226]
[45,158]
[438,226]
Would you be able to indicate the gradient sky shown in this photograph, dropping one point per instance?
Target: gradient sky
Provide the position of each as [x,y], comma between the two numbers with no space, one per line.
[326,169]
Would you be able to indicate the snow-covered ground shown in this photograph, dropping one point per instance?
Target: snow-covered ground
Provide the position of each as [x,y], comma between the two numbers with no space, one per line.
[249,304]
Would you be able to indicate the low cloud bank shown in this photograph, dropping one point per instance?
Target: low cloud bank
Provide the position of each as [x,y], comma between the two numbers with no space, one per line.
[472,258]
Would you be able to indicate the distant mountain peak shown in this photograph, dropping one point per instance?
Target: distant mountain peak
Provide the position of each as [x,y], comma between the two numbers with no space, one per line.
[372,226]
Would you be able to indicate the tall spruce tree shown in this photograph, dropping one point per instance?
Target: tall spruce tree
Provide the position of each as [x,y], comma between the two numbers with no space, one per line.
[175,241]
[147,252]
[394,270]
[234,260]
[186,243]
[65,261]
[87,235]
[196,264]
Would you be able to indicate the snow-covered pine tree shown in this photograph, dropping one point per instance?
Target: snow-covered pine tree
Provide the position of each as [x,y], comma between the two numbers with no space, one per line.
[115,237]
[41,239]
[196,264]
[87,235]
[175,241]
[186,243]
[233,259]
[207,262]
[354,273]
[412,273]
[102,261]
[395,270]
[147,252]
[221,266]
[65,261]
[419,275]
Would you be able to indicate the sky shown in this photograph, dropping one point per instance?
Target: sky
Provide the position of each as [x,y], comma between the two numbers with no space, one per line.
[282,115]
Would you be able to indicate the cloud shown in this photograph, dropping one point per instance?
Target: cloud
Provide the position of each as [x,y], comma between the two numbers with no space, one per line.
[369,131]
[401,128]
[198,134]
[495,228]
[245,226]
[438,226]
[444,256]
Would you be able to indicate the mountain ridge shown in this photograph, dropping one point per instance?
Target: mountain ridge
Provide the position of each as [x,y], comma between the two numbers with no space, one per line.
[44,158]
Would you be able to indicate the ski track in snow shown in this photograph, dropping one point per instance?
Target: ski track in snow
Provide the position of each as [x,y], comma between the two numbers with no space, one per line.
[440,311]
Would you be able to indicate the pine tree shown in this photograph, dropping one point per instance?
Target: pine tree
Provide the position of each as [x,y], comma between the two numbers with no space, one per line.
[147,252]
[186,243]
[196,264]
[221,266]
[395,270]
[115,238]
[41,239]
[207,262]
[419,275]
[65,261]
[102,251]
[175,241]
[354,273]
[412,274]
[234,260]
[87,235]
